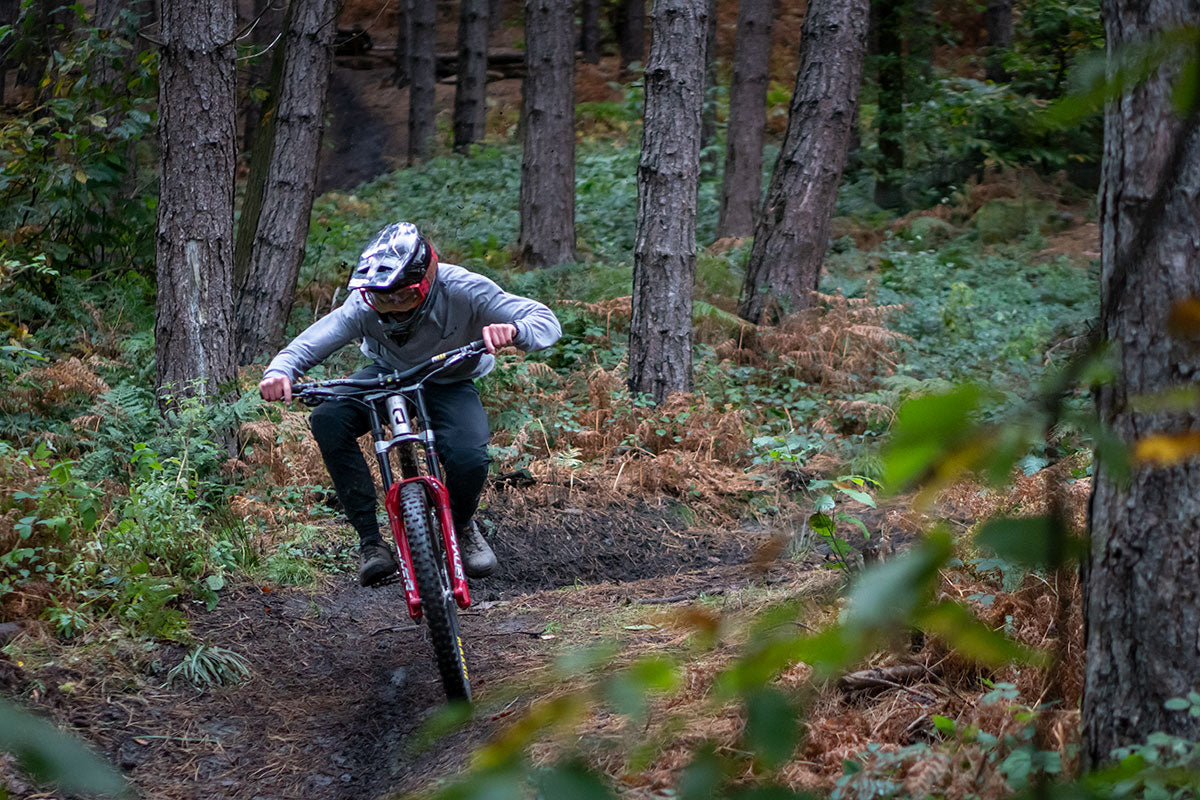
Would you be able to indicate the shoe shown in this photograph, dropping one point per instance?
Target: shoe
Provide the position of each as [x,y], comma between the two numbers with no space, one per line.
[375,562]
[478,559]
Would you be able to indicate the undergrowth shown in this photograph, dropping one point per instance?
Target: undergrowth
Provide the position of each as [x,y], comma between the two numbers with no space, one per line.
[117,517]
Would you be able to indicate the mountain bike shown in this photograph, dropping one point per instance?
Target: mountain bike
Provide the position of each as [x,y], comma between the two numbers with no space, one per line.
[417,501]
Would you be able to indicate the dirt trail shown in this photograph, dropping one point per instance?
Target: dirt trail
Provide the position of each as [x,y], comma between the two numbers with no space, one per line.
[341,680]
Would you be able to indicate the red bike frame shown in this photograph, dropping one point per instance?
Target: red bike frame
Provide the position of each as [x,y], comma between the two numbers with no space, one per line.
[439,499]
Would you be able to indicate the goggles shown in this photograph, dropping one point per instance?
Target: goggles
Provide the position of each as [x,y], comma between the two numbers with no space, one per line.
[403,295]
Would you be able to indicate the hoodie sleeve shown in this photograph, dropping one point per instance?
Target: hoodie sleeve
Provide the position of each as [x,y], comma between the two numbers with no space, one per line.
[318,341]
[536,325]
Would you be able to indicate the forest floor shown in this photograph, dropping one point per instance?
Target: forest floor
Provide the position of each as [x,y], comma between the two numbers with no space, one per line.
[341,681]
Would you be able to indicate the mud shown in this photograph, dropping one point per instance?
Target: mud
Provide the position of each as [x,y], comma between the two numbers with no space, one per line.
[342,681]
[569,545]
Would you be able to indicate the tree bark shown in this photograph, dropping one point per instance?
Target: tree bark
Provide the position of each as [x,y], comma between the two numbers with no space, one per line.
[922,35]
[589,30]
[122,18]
[741,190]
[257,72]
[708,114]
[1142,600]
[422,108]
[792,232]
[890,123]
[495,15]
[631,33]
[273,225]
[39,28]
[194,245]
[999,21]
[470,93]
[400,76]
[664,258]
[547,234]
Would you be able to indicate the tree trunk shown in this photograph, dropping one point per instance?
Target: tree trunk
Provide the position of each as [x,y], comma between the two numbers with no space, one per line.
[495,15]
[922,35]
[257,72]
[122,18]
[741,190]
[999,21]
[39,28]
[1142,601]
[792,232]
[708,115]
[631,33]
[470,93]
[10,14]
[664,257]
[400,77]
[422,108]
[548,168]
[890,125]
[194,247]
[273,225]
[589,30]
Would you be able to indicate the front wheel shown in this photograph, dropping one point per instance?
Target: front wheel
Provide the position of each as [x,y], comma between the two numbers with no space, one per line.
[433,584]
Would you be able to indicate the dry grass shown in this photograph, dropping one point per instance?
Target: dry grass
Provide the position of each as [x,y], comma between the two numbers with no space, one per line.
[53,385]
[836,345]
[875,728]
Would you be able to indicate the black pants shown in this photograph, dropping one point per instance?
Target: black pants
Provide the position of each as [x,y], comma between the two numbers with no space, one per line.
[460,430]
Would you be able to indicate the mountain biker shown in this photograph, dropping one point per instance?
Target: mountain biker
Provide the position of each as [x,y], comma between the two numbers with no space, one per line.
[405,307]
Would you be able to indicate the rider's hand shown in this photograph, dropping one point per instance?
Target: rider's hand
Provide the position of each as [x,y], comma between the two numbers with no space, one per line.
[276,387]
[498,335]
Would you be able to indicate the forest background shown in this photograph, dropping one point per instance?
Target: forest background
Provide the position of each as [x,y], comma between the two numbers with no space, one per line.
[916,369]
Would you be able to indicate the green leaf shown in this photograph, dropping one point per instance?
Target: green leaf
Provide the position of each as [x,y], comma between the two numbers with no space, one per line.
[858,495]
[771,732]
[972,639]
[655,674]
[855,521]
[572,781]
[507,782]
[888,594]
[827,652]
[822,524]
[53,756]
[1184,93]
[944,725]
[700,779]
[925,427]
[625,696]
[770,792]
[1027,541]
[215,582]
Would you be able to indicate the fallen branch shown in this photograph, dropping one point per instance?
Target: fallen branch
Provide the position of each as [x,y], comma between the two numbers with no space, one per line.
[883,678]
[677,598]
[395,629]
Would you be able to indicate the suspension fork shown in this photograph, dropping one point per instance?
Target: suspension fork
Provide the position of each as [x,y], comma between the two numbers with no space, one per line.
[392,505]
[439,496]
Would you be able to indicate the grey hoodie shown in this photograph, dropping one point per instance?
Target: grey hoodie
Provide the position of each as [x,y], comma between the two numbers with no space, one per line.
[463,303]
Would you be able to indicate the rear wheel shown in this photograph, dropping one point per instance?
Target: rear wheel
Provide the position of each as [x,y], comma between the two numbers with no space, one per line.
[433,584]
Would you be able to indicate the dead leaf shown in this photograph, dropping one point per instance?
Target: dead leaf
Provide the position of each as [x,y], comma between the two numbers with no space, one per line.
[1166,449]
[1183,322]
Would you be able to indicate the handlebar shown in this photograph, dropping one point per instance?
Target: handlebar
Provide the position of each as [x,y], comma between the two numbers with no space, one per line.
[318,391]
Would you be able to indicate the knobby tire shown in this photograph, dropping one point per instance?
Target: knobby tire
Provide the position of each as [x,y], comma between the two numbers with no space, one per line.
[433,584]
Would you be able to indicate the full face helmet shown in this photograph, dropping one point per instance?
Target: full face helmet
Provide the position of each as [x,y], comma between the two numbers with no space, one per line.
[397,271]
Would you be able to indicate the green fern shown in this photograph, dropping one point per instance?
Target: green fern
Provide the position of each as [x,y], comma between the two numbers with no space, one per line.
[207,666]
